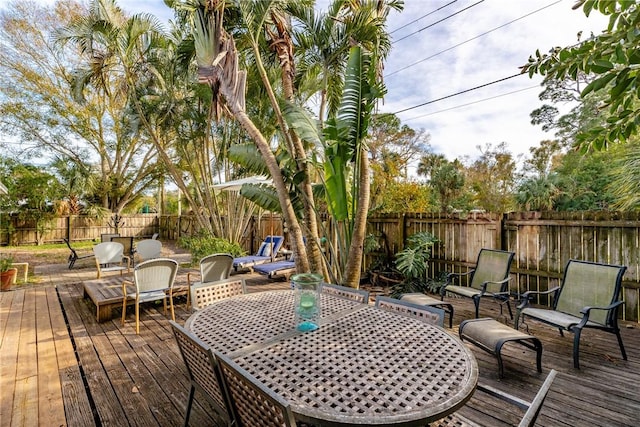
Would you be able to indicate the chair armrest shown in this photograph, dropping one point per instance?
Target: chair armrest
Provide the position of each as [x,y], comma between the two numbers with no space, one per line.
[587,310]
[452,275]
[124,287]
[189,273]
[501,282]
[449,278]
[526,297]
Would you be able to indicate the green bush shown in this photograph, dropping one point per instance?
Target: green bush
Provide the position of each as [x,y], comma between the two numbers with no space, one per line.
[203,245]
[411,262]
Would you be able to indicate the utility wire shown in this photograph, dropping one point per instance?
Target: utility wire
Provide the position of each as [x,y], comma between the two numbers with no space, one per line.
[470,103]
[471,39]
[423,16]
[437,22]
[458,93]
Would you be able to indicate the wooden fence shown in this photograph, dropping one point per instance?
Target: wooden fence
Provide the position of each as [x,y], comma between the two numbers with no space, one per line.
[542,241]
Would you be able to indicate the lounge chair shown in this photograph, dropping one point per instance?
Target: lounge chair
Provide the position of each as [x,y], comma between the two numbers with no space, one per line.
[73,256]
[587,298]
[266,253]
[490,278]
[277,269]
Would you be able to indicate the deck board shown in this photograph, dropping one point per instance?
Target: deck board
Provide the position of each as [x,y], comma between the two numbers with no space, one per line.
[52,346]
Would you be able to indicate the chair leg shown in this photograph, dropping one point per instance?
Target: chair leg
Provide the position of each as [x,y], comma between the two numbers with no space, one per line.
[576,348]
[476,302]
[173,314]
[124,309]
[189,404]
[137,318]
[624,353]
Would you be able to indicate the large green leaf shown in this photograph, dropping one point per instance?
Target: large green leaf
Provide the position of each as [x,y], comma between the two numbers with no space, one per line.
[301,121]
[248,156]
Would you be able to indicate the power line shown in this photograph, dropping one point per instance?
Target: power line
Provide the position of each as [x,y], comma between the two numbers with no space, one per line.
[473,38]
[437,22]
[470,103]
[458,93]
[423,16]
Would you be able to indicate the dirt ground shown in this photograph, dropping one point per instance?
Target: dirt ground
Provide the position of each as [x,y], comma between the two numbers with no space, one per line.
[37,257]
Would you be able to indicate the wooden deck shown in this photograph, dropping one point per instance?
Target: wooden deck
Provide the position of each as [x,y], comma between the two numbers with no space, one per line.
[59,367]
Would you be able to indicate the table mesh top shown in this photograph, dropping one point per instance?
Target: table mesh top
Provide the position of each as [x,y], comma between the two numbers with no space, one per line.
[363,366]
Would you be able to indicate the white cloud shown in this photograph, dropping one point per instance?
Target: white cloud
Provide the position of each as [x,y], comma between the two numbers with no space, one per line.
[498,54]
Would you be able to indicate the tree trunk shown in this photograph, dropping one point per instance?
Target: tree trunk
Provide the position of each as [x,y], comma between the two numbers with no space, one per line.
[356,250]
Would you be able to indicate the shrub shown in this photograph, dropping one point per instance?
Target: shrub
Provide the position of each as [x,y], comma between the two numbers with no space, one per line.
[411,262]
[203,245]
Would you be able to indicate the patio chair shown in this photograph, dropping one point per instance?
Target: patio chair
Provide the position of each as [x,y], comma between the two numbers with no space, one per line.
[213,268]
[73,256]
[110,257]
[148,249]
[153,281]
[532,408]
[426,313]
[106,237]
[423,299]
[206,293]
[253,403]
[490,278]
[127,243]
[587,298]
[353,294]
[204,375]
[266,253]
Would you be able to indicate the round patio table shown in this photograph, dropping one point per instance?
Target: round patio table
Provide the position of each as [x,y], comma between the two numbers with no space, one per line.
[362,366]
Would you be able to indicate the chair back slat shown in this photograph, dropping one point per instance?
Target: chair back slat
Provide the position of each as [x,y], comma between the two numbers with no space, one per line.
[428,314]
[215,267]
[254,404]
[204,294]
[492,265]
[352,294]
[201,366]
[155,274]
[588,284]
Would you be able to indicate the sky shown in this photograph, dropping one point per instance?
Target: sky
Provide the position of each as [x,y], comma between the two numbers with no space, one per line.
[443,47]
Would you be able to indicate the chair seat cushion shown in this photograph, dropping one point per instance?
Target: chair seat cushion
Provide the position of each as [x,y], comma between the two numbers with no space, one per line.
[420,298]
[463,290]
[151,296]
[554,317]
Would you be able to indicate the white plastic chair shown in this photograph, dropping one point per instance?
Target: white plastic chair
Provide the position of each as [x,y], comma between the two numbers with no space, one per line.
[148,249]
[213,268]
[153,281]
[110,257]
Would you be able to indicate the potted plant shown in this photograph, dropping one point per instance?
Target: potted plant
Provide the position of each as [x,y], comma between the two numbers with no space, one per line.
[7,273]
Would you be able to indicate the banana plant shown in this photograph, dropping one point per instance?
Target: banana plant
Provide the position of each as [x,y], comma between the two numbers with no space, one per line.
[345,162]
